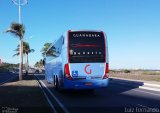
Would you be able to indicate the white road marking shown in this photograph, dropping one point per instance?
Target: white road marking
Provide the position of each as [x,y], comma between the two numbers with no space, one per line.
[53,108]
[61,105]
[149,88]
[146,92]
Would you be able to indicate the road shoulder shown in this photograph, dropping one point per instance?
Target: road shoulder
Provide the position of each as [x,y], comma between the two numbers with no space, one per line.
[148,85]
[24,96]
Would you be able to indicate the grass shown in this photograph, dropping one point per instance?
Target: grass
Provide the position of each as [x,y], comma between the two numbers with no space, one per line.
[136,74]
[151,73]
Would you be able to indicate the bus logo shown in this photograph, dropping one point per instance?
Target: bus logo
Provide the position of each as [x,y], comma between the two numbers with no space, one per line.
[75,73]
[88,71]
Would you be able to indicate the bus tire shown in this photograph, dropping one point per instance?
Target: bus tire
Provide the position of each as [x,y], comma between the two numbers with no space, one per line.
[57,86]
[56,83]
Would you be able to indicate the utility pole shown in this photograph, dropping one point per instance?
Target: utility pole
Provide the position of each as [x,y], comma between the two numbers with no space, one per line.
[20,3]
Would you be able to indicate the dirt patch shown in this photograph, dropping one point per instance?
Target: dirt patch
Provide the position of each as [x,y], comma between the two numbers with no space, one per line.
[24,95]
[137,75]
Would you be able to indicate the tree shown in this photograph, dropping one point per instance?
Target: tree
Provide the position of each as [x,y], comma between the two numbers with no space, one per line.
[18,30]
[36,64]
[45,48]
[26,51]
[39,64]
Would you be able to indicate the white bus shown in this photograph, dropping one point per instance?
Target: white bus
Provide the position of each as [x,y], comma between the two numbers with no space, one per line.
[78,60]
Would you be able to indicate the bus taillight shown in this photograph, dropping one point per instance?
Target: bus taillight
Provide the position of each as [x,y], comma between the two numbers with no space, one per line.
[106,71]
[67,72]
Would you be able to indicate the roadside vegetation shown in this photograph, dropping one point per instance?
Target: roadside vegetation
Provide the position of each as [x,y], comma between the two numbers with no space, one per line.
[45,48]
[23,49]
[18,30]
[151,73]
[26,51]
[39,64]
[148,75]
[5,67]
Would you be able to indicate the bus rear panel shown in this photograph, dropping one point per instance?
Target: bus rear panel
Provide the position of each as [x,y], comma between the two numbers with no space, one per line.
[87,66]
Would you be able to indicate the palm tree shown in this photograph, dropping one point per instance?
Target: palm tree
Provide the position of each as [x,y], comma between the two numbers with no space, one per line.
[45,48]
[18,30]
[51,52]
[39,64]
[26,51]
[36,64]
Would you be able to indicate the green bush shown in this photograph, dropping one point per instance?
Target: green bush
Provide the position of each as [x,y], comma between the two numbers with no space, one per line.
[3,69]
[127,71]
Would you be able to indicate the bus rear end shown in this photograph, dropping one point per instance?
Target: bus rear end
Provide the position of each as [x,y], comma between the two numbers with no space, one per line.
[87,66]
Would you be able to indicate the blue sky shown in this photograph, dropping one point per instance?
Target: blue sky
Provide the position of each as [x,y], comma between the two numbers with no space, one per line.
[132,28]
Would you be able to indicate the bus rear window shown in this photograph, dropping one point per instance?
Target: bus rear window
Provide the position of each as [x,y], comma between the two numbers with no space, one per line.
[86,47]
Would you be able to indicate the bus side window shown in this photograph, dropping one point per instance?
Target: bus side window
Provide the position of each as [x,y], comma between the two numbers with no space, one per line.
[51,53]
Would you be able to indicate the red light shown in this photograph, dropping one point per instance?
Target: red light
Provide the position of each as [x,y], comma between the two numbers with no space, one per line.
[85,45]
[67,72]
[106,71]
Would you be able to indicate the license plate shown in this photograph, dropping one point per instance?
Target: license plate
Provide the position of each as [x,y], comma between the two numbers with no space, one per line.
[88,83]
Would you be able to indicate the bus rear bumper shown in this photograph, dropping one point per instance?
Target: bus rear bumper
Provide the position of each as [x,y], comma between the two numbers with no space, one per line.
[85,84]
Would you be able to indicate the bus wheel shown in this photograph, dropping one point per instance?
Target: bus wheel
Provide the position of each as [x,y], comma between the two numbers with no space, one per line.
[57,87]
[56,83]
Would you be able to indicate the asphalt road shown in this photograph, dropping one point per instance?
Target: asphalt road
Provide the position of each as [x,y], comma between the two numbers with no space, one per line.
[6,76]
[116,98]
